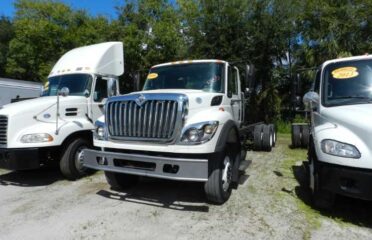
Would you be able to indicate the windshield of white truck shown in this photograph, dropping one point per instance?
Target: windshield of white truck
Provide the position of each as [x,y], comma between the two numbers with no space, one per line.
[207,76]
[78,84]
[347,83]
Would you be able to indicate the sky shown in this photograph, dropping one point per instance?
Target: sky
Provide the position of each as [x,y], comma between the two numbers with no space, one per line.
[94,7]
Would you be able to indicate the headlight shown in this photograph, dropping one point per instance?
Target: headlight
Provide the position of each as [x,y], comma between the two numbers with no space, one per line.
[340,149]
[36,138]
[99,131]
[199,133]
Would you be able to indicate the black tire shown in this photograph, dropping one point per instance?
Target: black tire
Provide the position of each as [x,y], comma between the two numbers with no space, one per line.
[215,190]
[119,181]
[296,136]
[257,137]
[320,198]
[267,138]
[305,130]
[273,131]
[70,163]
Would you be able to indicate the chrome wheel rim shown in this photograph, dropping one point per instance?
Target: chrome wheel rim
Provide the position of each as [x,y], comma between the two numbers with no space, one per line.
[79,158]
[226,174]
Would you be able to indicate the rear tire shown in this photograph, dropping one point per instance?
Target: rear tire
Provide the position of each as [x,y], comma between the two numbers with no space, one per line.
[219,185]
[305,136]
[119,181]
[273,130]
[71,162]
[257,137]
[296,136]
[267,138]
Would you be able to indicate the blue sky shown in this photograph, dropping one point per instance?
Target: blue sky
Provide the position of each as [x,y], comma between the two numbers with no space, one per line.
[94,7]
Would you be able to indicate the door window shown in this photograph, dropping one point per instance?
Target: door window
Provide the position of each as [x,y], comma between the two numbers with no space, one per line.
[232,88]
[100,91]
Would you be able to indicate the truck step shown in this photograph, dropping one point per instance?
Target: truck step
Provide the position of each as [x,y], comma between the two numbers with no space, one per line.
[244,165]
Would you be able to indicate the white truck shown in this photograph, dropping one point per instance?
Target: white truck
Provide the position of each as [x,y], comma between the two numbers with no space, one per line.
[340,149]
[58,126]
[187,124]
[12,90]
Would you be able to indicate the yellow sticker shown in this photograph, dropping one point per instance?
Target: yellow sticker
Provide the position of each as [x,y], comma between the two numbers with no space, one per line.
[152,76]
[345,72]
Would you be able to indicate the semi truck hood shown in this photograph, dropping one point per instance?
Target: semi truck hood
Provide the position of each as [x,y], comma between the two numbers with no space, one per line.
[356,118]
[42,105]
[197,98]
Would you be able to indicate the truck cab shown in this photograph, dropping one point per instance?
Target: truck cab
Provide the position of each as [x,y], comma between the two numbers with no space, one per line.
[340,148]
[184,125]
[57,126]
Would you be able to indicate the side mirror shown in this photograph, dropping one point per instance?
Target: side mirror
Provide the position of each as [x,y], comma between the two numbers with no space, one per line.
[249,78]
[64,92]
[311,100]
[111,87]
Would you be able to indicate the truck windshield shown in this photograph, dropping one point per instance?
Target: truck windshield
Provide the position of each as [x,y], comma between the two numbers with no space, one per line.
[78,84]
[207,76]
[347,83]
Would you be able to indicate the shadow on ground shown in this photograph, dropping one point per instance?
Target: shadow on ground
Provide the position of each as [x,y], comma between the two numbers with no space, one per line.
[31,178]
[346,209]
[181,196]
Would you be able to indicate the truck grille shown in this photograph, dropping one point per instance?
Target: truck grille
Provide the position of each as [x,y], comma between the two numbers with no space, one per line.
[3,130]
[153,120]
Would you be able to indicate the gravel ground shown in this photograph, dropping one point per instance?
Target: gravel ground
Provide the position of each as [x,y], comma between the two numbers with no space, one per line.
[270,203]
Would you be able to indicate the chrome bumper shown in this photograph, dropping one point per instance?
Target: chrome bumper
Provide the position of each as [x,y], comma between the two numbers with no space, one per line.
[184,169]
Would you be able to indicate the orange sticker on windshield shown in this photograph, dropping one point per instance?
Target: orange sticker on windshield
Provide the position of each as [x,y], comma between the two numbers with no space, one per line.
[345,72]
[152,76]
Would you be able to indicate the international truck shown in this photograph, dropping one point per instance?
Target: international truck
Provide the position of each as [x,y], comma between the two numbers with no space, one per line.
[58,126]
[12,90]
[340,144]
[188,123]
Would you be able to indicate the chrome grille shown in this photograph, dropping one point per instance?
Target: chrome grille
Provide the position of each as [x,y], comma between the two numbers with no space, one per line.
[3,130]
[153,120]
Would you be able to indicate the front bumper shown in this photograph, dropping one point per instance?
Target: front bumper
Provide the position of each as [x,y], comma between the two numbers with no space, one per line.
[19,159]
[174,168]
[352,182]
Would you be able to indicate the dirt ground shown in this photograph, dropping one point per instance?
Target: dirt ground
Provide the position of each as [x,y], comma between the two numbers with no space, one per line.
[270,203]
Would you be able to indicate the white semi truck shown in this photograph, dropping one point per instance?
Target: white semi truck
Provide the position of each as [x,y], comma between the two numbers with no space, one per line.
[12,90]
[57,126]
[187,124]
[340,145]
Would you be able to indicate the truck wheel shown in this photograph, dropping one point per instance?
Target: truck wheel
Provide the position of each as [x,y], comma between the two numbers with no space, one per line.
[119,181]
[273,131]
[218,186]
[296,136]
[257,137]
[305,136]
[267,138]
[321,199]
[71,163]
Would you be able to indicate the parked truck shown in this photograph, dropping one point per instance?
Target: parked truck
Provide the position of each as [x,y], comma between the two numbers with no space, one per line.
[57,127]
[340,146]
[187,124]
[12,90]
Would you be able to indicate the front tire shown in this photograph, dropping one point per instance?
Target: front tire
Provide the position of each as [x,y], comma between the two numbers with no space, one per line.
[320,199]
[71,162]
[219,184]
[120,181]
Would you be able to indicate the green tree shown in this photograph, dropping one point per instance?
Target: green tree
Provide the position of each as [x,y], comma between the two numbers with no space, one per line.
[6,34]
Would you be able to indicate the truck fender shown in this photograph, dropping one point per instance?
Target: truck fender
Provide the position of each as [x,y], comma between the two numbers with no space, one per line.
[230,134]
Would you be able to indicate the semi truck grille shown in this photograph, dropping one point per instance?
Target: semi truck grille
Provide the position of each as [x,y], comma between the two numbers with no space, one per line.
[152,120]
[3,130]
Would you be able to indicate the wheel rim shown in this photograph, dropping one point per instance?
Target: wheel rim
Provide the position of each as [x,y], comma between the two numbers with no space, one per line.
[79,157]
[271,140]
[226,174]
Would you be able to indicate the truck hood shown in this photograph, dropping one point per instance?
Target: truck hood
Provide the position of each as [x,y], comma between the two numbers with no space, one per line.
[197,98]
[39,105]
[356,118]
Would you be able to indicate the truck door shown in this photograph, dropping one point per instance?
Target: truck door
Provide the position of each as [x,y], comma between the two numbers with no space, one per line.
[99,98]
[233,94]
